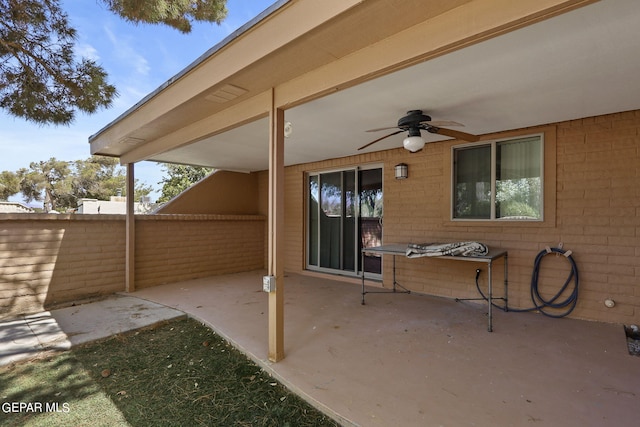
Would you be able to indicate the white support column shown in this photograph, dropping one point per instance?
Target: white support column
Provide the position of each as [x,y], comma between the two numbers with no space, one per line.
[276,233]
[130,232]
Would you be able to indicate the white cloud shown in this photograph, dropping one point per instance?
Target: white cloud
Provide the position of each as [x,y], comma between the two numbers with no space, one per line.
[128,96]
[126,54]
[85,50]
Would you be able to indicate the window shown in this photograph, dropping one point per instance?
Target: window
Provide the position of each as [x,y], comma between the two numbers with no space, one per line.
[499,180]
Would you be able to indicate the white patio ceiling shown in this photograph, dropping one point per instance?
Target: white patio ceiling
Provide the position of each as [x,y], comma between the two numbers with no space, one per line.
[580,64]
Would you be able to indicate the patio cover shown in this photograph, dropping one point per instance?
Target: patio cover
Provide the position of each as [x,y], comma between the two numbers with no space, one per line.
[336,68]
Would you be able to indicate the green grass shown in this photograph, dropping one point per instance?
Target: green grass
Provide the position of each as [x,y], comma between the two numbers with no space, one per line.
[178,374]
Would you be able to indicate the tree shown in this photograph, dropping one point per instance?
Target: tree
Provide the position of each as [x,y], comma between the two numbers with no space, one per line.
[46,181]
[60,184]
[39,77]
[178,14]
[180,177]
[41,80]
[9,185]
[98,178]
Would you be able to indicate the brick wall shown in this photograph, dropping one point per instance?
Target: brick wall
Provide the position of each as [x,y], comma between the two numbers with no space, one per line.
[48,260]
[592,206]
[222,192]
[173,248]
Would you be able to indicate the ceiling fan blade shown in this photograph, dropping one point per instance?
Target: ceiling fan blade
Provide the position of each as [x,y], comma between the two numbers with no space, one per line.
[454,133]
[379,129]
[380,139]
[442,123]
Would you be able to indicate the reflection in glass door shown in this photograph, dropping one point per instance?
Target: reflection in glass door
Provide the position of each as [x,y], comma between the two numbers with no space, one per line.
[370,186]
[342,220]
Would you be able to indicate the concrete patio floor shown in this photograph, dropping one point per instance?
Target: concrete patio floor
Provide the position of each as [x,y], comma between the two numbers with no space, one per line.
[415,360]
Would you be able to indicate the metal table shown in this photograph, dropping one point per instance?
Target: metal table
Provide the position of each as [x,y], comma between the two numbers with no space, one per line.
[396,249]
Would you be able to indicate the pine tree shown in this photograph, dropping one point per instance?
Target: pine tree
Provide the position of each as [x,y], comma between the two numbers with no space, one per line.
[60,184]
[40,78]
[9,185]
[178,14]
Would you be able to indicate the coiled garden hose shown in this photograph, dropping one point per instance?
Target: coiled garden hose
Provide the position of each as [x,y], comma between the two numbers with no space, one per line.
[540,303]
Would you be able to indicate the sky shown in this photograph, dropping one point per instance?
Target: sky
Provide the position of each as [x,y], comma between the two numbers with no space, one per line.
[138,59]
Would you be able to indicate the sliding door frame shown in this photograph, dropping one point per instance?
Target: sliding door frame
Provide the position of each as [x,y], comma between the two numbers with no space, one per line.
[357,222]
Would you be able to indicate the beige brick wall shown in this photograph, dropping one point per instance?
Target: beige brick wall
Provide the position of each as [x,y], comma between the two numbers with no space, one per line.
[222,192]
[592,206]
[173,248]
[48,260]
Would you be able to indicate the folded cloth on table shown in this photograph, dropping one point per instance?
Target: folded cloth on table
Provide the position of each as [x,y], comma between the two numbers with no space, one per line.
[415,250]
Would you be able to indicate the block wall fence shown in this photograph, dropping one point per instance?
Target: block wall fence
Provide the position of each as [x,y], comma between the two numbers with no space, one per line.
[48,260]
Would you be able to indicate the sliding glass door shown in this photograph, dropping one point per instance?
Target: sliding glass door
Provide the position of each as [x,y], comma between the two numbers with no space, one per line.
[344,215]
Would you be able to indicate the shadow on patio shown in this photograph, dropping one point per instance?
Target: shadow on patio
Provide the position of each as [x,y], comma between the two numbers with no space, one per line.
[414,360]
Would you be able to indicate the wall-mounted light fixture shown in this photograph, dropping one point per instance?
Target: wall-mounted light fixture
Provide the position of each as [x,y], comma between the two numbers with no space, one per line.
[402,171]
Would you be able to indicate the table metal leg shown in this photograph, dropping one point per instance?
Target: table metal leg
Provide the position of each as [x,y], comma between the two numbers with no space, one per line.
[394,288]
[490,298]
[506,283]
[394,273]
[363,291]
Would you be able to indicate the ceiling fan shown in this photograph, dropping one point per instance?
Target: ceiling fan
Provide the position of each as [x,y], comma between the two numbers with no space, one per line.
[416,120]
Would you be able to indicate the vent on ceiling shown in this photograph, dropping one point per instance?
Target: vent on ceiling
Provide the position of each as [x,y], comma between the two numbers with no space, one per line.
[225,94]
[129,140]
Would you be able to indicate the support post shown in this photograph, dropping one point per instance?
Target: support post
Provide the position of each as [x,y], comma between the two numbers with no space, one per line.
[276,232]
[130,232]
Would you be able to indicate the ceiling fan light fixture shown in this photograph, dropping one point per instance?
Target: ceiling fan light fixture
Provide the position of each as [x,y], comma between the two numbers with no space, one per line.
[413,122]
[413,143]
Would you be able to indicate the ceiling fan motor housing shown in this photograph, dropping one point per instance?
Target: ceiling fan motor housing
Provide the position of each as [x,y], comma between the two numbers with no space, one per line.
[414,131]
[413,119]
